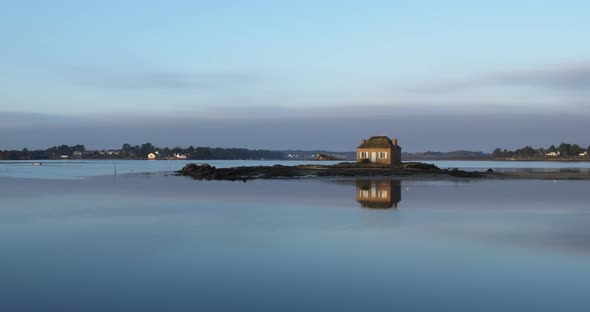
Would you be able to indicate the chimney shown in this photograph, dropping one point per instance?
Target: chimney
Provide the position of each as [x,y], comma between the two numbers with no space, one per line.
[363,141]
[394,142]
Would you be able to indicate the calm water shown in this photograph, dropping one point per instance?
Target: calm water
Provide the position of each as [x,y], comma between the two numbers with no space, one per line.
[512,165]
[69,169]
[152,242]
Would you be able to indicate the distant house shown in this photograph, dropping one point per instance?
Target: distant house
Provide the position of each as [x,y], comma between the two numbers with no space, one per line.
[585,153]
[179,156]
[64,157]
[380,150]
[553,154]
[151,156]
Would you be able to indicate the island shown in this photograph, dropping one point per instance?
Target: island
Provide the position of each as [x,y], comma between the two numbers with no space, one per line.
[378,156]
[346,169]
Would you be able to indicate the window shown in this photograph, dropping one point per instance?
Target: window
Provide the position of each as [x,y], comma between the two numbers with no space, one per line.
[364,193]
[364,155]
[382,155]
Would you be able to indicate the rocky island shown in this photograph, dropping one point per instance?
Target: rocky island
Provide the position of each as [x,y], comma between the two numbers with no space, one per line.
[405,171]
[244,173]
[378,156]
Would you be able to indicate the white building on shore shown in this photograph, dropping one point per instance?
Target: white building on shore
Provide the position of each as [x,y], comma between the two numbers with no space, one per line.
[179,156]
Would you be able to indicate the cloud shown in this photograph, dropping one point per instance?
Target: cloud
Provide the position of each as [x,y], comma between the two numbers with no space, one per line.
[569,78]
[142,79]
[416,132]
[25,120]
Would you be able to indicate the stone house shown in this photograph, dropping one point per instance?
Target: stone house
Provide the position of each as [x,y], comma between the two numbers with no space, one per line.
[380,150]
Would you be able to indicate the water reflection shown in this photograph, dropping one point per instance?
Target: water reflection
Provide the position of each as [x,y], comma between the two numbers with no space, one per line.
[174,244]
[378,194]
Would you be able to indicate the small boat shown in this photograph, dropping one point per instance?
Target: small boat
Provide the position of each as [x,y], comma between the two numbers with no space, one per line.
[36,164]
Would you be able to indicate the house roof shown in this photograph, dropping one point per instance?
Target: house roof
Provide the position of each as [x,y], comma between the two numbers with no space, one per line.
[377,142]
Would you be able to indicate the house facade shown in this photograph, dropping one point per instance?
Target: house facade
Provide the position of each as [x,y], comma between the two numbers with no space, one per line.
[379,150]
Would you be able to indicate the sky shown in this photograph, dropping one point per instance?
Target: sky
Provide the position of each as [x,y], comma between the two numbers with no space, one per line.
[438,75]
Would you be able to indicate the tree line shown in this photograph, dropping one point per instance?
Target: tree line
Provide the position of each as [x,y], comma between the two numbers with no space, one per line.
[564,150]
[50,153]
[128,151]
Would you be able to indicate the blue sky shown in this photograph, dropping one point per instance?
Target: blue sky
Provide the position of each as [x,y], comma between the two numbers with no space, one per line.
[250,63]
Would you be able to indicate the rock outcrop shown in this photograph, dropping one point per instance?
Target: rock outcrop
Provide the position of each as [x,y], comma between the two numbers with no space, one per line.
[324,157]
[207,172]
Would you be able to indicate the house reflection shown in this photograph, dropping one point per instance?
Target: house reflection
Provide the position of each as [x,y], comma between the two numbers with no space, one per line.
[379,194]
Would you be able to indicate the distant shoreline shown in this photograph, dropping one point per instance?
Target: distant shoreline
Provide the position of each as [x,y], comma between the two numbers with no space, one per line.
[291,159]
[551,160]
[501,159]
[318,160]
